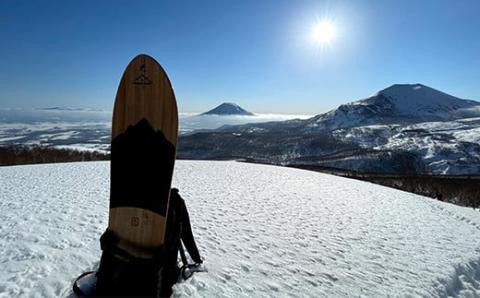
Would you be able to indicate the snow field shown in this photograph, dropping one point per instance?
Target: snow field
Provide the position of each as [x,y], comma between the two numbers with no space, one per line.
[264,231]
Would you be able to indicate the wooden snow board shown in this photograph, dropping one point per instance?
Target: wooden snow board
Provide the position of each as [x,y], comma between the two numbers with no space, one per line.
[143,149]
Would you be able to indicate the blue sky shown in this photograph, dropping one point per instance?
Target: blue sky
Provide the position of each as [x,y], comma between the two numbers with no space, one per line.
[258,54]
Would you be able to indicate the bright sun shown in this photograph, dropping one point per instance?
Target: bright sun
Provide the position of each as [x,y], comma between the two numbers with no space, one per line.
[323,32]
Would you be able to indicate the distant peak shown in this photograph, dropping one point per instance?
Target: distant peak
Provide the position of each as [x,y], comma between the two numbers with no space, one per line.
[228,108]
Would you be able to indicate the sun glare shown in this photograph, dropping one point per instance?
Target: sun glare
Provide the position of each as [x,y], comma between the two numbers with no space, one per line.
[323,33]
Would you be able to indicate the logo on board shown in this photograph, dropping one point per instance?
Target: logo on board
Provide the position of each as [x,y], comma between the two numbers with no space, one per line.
[142,79]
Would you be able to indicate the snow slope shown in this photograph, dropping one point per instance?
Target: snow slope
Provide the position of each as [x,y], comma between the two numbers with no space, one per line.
[445,148]
[418,100]
[264,231]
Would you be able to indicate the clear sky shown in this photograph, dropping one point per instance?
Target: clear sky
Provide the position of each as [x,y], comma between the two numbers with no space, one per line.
[259,54]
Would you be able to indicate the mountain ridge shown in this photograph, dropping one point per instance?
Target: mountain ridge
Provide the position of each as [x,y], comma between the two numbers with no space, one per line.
[399,104]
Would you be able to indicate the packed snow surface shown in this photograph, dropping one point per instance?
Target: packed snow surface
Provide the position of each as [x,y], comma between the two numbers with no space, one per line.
[263,231]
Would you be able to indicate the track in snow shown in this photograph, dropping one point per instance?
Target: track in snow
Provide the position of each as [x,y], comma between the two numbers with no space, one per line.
[263,231]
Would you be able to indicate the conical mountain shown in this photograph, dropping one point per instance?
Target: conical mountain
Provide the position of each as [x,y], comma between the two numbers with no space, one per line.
[228,108]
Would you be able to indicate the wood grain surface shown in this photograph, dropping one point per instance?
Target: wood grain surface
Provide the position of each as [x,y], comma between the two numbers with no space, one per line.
[145,92]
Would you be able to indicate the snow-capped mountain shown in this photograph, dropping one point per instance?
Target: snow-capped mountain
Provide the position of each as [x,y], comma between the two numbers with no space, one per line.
[228,108]
[263,231]
[399,104]
[403,129]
